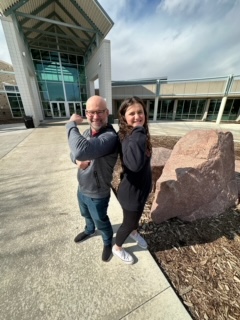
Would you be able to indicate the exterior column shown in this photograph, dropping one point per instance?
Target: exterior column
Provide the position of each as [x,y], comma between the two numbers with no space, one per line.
[222,106]
[155,108]
[175,109]
[99,67]
[156,100]
[238,116]
[24,70]
[204,118]
[147,107]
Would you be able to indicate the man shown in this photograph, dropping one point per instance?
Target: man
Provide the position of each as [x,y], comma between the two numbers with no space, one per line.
[95,152]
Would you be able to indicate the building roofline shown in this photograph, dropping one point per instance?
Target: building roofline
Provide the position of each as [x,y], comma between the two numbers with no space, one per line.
[138,81]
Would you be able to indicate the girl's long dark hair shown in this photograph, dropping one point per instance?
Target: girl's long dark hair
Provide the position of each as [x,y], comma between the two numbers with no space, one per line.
[124,128]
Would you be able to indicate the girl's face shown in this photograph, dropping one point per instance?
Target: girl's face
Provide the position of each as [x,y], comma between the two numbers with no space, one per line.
[134,115]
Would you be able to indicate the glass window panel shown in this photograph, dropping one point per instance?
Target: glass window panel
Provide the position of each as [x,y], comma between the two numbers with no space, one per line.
[47,110]
[44,95]
[55,90]
[38,65]
[212,106]
[42,85]
[16,104]
[72,59]
[62,110]
[70,73]
[194,106]
[201,106]
[81,70]
[213,109]
[78,108]
[45,55]
[51,72]
[16,113]
[13,102]
[9,88]
[84,106]
[72,91]
[186,107]
[83,89]
[236,107]
[84,97]
[82,78]
[71,108]
[228,106]
[151,109]
[54,56]
[64,57]
[36,54]
[80,60]
[55,109]
[180,107]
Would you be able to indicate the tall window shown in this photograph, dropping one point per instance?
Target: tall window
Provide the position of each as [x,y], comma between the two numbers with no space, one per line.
[213,109]
[15,101]
[61,77]
[165,109]
[190,109]
[231,110]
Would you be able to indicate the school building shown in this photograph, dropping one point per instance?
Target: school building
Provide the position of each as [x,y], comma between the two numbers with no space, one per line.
[58,50]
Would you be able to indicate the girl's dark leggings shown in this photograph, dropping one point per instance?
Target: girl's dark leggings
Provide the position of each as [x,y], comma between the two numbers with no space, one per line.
[130,223]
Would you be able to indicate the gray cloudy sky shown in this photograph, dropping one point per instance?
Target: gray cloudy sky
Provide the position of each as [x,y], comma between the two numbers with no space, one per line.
[179,39]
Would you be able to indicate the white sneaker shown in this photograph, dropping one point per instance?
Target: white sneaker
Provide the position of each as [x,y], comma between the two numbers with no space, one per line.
[140,241]
[123,255]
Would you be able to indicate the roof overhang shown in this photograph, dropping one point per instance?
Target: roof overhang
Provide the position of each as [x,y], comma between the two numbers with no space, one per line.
[123,83]
[72,26]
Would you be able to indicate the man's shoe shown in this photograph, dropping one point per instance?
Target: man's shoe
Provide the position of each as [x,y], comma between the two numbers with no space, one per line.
[107,252]
[83,236]
[123,255]
[140,241]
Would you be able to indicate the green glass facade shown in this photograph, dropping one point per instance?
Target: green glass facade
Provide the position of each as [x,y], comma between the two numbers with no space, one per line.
[231,110]
[190,109]
[165,110]
[61,81]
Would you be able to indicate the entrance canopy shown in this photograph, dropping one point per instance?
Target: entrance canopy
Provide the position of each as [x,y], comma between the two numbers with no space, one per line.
[72,26]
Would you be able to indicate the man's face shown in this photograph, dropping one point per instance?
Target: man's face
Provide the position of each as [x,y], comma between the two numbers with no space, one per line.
[97,115]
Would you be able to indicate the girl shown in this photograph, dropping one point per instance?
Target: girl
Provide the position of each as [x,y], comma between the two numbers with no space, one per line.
[136,177]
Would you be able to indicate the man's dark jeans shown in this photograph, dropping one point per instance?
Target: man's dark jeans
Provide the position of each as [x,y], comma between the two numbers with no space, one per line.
[95,213]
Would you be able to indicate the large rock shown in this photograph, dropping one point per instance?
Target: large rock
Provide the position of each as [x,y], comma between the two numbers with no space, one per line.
[237,173]
[198,179]
[159,158]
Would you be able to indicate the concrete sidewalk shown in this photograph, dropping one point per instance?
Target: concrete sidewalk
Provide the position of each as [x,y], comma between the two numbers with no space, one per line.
[44,274]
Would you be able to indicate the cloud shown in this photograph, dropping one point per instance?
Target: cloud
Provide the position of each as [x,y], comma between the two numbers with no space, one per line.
[177,6]
[176,38]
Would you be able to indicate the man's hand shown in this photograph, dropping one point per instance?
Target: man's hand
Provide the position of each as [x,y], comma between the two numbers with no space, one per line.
[82,164]
[76,118]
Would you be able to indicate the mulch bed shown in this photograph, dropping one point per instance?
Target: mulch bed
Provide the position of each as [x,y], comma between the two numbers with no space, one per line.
[200,259]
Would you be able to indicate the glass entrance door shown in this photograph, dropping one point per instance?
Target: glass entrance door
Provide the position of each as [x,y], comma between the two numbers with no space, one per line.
[58,109]
[75,107]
